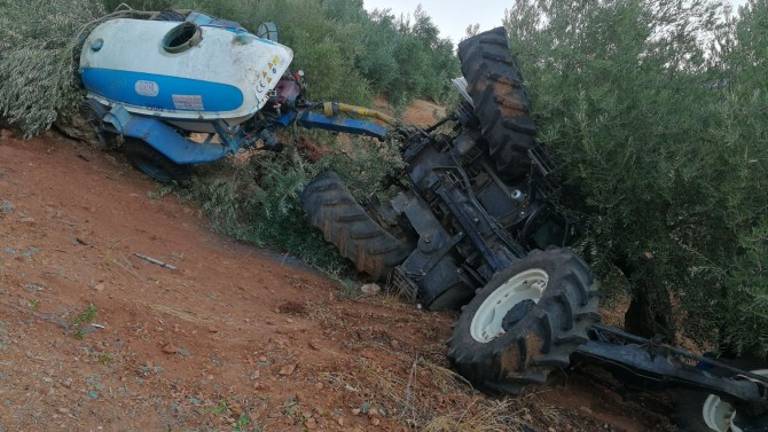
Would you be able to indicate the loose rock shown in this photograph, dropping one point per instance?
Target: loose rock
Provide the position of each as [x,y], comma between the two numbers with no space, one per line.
[287,370]
[370,289]
[169,348]
[311,424]
[6,207]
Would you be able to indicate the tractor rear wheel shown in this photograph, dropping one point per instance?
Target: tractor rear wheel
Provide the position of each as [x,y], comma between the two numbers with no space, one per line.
[525,322]
[501,103]
[154,164]
[332,208]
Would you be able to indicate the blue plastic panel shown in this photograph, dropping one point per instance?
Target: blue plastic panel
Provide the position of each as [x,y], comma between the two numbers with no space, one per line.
[209,21]
[342,124]
[161,92]
[166,139]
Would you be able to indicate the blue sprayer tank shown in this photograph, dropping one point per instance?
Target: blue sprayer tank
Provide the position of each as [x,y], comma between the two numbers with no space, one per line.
[186,73]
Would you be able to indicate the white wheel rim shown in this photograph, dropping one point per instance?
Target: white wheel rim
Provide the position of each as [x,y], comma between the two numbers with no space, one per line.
[719,414]
[487,323]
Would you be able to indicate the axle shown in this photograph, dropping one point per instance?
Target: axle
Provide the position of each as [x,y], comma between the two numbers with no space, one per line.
[670,365]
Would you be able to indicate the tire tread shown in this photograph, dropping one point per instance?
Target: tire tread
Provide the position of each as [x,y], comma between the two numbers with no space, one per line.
[331,207]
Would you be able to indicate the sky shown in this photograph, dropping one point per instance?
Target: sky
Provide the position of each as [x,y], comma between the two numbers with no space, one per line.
[453,16]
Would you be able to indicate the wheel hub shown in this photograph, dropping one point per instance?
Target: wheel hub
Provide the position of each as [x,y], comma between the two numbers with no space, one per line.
[719,415]
[508,304]
[517,313]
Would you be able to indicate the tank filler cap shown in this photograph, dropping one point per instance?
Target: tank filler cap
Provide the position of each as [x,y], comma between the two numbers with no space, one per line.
[97,44]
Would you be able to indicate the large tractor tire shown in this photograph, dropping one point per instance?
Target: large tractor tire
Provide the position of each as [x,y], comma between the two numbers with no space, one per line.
[525,322]
[332,209]
[500,101]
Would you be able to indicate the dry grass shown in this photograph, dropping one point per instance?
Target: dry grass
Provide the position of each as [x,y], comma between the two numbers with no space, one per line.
[484,416]
[432,398]
[413,382]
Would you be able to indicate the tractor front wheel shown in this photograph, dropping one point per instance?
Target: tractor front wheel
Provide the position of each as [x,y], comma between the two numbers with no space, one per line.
[525,322]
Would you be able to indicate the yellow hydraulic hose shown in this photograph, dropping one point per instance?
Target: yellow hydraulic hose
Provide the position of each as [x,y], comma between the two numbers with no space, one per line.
[333,108]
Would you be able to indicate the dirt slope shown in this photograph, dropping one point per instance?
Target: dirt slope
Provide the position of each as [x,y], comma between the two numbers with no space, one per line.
[233,339]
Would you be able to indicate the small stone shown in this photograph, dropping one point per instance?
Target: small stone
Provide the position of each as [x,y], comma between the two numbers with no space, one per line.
[370,289]
[287,370]
[310,424]
[263,359]
[340,421]
[356,411]
[365,408]
[33,287]
[63,411]
[30,252]
[99,287]
[169,348]
[6,207]
[314,345]
[375,422]
[586,410]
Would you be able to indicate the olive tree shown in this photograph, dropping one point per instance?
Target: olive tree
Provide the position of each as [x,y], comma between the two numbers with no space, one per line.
[655,111]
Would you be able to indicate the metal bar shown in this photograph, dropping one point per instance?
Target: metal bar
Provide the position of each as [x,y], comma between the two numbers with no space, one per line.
[491,257]
[442,121]
[679,351]
[155,261]
[513,246]
[661,368]
[315,120]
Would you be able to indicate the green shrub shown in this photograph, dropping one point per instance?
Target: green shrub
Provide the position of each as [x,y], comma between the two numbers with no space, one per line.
[258,202]
[662,144]
[38,42]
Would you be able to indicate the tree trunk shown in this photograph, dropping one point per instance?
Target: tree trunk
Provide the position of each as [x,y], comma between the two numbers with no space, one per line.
[650,312]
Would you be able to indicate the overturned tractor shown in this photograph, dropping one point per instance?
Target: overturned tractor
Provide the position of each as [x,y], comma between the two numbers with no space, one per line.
[471,227]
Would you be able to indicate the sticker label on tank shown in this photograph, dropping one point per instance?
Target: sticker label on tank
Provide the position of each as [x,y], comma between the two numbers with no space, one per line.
[188,102]
[146,88]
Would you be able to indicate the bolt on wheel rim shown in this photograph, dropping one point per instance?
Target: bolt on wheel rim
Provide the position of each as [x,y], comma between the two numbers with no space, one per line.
[487,323]
[719,414]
